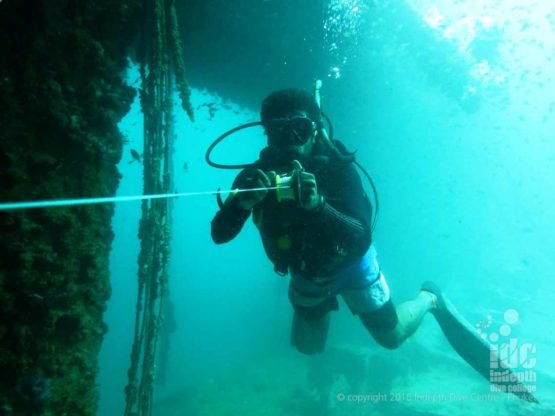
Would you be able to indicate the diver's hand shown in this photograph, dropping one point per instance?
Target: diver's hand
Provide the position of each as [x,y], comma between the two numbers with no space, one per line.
[308,196]
[251,179]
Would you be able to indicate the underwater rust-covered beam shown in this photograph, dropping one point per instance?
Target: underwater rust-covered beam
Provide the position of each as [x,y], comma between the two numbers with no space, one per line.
[61,96]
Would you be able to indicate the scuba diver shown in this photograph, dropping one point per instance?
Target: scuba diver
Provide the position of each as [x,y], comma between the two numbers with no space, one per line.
[315,222]
[319,232]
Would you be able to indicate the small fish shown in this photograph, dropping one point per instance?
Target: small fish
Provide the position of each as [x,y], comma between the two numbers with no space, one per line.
[135,155]
[186,166]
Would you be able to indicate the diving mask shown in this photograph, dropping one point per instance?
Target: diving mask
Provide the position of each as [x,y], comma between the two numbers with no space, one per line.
[294,131]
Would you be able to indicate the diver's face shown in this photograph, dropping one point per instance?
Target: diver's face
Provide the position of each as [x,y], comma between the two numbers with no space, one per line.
[293,134]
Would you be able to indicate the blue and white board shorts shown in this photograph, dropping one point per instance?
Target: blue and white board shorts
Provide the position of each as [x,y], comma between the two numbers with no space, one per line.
[362,286]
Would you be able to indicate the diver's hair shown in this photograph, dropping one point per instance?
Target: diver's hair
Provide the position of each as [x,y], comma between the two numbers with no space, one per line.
[281,103]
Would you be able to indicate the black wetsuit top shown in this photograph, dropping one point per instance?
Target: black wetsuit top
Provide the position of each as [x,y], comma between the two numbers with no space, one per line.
[311,243]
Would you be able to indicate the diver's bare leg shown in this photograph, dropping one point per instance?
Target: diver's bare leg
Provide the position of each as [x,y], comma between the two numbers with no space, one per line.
[410,315]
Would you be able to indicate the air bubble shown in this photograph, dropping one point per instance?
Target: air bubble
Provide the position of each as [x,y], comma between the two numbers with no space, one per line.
[505,330]
[511,316]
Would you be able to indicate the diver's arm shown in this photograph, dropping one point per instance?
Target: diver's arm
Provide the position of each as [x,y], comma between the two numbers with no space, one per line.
[228,222]
[348,216]
[347,224]
[349,232]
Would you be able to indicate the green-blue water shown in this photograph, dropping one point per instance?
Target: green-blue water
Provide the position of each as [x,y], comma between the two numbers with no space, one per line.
[450,106]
